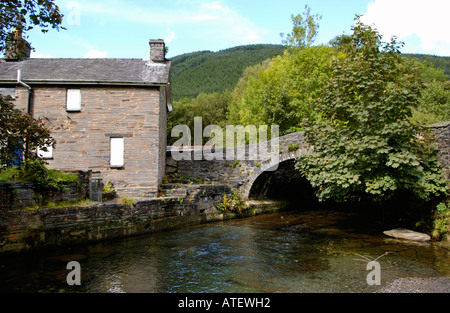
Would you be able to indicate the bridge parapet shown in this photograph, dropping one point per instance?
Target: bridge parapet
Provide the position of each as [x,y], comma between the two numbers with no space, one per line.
[240,171]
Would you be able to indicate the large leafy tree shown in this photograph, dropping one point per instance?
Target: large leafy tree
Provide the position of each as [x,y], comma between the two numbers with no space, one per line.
[20,133]
[364,145]
[283,92]
[20,16]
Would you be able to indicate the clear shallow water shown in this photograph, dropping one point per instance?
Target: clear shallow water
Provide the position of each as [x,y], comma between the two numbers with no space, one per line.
[282,252]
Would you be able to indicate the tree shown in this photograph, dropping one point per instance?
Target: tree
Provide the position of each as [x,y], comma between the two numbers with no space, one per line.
[285,92]
[434,102]
[213,108]
[304,31]
[20,135]
[364,145]
[20,16]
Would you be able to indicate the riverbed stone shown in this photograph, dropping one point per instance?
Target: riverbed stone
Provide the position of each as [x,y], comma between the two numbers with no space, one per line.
[402,233]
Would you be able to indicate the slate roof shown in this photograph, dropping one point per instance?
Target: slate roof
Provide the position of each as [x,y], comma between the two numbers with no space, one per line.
[86,71]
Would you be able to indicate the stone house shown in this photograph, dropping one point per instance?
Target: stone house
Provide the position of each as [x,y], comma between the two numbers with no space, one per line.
[108,116]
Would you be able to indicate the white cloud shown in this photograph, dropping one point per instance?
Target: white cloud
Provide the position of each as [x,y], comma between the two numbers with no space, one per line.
[38,55]
[169,37]
[231,26]
[95,54]
[212,19]
[428,20]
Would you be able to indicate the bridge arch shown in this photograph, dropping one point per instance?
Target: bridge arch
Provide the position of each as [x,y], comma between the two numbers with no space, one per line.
[268,169]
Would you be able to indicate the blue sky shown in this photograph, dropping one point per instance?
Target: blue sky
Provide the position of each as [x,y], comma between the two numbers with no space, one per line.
[122,29]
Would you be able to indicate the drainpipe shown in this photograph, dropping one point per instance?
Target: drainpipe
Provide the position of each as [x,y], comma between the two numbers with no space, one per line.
[30,91]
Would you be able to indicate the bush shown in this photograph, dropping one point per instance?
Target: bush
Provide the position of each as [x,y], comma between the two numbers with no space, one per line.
[441,224]
[36,172]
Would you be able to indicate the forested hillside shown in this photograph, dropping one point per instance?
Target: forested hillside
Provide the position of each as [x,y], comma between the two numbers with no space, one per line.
[210,72]
[436,61]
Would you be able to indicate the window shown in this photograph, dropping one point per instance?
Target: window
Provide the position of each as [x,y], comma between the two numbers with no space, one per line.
[117,153]
[73,100]
[45,152]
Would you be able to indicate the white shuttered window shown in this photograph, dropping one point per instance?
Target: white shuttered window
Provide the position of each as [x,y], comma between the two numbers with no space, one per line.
[117,152]
[45,152]
[73,100]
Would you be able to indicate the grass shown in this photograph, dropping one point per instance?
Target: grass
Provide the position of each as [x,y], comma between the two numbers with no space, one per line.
[58,205]
[128,201]
[66,204]
[15,174]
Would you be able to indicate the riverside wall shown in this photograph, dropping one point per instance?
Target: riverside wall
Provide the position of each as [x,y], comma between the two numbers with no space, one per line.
[441,133]
[25,230]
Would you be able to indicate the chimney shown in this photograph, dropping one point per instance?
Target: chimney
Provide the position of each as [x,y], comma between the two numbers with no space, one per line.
[157,51]
[17,48]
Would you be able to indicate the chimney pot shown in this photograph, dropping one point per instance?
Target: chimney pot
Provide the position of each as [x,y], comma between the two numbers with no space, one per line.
[157,51]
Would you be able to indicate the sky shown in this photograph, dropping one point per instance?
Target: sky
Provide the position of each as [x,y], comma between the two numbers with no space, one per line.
[123,28]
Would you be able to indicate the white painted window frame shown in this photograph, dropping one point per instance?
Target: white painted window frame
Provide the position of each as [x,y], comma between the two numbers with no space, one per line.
[73,102]
[117,152]
[46,155]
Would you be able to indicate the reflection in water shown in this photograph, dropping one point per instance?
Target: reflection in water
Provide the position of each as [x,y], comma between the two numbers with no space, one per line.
[281,252]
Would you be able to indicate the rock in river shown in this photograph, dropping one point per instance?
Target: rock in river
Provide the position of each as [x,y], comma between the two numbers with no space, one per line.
[402,233]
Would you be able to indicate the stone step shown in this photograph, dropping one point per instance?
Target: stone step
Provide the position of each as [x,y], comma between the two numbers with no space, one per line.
[170,191]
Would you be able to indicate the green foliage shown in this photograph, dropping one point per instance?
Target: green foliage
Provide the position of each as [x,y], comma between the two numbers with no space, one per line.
[292,147]
[65,204]
[304,31]
[20,131]
[365,147]
[210,72]
[108,187]
[213,108]
[234,204]
[127,201]
[20,16]
[441,62]
[441,222]
[285,92]
[36,172]
[434,104]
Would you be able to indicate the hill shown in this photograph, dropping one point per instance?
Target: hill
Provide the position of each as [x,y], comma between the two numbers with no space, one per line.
[209,72]
[437,61]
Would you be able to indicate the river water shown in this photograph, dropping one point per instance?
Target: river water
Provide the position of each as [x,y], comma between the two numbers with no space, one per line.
[288,252]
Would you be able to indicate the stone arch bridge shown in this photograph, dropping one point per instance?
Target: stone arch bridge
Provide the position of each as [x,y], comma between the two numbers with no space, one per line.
[266,175]
[273,177]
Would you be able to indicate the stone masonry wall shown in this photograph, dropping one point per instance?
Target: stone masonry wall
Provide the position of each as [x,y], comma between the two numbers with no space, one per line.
[83,138]
[442,141]
[14,195]
[22,230]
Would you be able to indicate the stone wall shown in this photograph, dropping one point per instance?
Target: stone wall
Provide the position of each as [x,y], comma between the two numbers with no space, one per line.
[22,230]
[442,141]
[14,195]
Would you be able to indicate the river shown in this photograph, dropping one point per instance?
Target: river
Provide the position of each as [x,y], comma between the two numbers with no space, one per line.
[285,252]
